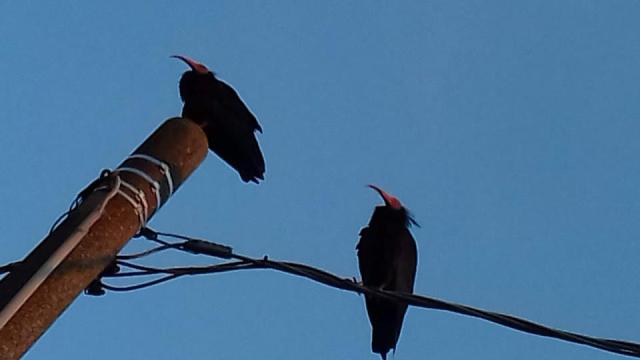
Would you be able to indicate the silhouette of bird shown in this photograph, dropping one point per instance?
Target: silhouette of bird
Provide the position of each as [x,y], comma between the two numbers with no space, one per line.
[387,257]
[228,123]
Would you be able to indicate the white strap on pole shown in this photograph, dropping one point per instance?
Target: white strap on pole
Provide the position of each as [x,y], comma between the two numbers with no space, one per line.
[139,204]
[161,164]
[155,186]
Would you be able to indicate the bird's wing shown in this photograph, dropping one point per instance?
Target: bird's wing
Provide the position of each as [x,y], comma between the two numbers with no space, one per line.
[405,263]
[366,256]
[230,99]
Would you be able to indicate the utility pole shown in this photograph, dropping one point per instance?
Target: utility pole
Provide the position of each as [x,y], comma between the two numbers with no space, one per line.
[35,293]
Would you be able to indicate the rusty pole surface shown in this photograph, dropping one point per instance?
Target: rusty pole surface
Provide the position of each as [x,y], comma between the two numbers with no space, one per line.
[34,295]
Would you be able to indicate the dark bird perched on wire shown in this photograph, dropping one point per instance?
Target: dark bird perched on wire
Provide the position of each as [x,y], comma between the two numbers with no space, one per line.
[387,257]
[225,119]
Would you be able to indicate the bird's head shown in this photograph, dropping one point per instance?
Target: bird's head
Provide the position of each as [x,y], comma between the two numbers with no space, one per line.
[194,65]
[394,204]
[197,82]
[389,200]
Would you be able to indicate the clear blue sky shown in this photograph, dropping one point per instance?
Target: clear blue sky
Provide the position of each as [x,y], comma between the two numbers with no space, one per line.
[510,129]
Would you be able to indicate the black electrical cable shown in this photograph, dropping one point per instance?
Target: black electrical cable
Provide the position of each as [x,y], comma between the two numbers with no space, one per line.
[81,196]
[212,249]
[9,267]
[143,285]
[172,273]
[146,252]
[241,262]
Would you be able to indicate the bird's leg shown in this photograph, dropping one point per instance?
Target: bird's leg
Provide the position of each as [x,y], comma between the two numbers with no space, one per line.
[358,283]
[384,285]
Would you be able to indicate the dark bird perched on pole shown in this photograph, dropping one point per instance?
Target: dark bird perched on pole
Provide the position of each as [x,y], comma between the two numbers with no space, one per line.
[225,119]
[387,257]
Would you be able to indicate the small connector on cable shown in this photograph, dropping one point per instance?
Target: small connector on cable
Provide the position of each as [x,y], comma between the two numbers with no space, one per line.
[147,233]
[96,288]
[208,248]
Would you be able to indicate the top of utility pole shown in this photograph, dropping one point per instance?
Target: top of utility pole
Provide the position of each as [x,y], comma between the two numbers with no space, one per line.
[38,290]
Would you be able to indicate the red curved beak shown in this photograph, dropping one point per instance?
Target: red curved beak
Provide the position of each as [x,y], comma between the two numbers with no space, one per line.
[389,199]
[194,65]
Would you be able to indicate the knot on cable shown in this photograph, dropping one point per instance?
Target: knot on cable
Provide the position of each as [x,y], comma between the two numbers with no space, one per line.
[101,183]
[95,185]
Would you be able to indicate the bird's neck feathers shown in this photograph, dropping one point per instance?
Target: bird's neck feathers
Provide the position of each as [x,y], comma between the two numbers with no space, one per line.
[194,85]
[388,216]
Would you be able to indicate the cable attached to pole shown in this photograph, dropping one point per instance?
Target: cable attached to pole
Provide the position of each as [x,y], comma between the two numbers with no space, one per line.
[58,256]
[241,262]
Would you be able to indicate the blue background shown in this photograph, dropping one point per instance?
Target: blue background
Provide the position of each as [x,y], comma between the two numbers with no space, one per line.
[510,129]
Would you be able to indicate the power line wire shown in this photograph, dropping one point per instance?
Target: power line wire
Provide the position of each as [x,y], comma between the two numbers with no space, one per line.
[241,262]
[199,246]
[9,267]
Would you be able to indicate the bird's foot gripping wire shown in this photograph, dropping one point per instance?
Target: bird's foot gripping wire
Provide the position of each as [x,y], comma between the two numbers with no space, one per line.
[357,283]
